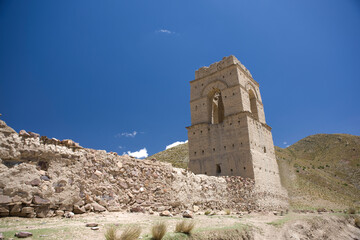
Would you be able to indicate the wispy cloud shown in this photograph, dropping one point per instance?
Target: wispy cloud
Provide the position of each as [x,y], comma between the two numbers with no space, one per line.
[286,144]
[142,153]
[127,134]
[121,147]
[175,144]
[166,31]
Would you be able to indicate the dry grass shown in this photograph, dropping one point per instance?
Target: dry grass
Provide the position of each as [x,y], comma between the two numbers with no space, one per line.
[158,230]
[130,233]
[110,233]
[228,234]
[227,211]
[185,227]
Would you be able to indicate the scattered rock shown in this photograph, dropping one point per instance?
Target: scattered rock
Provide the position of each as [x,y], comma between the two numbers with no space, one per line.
[195,208]
[40,201]
[34,135]
[35,182]
[95,228]
[23,234]
[98,173]
[1,236]
[23,133]
[88,207]
[45,178]
[97,207]
[69,214]
[92,225]
[59,213]
[166,214]
[27,210]
[5,199]
[136,209]
[188,214]
[79,210]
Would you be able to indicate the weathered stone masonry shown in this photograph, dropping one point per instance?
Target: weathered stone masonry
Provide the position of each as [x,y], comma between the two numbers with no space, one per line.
[229,135]
[42,177]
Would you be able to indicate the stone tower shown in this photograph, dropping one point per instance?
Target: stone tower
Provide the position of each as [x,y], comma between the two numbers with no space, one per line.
[228,133]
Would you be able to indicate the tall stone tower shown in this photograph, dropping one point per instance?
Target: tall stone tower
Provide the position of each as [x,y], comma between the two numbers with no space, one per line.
[228,133]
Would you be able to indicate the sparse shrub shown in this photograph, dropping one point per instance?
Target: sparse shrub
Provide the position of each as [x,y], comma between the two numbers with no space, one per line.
[227,211]
[357,222]
[131,233]
[345,184]
[207,212]
[297,170]
[351,211]
[185,227]
[158,231]
[110,233]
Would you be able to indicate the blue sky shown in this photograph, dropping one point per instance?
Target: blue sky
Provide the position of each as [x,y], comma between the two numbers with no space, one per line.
[115,75]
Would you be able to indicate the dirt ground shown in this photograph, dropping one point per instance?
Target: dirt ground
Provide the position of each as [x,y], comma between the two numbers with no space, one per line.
[262,226]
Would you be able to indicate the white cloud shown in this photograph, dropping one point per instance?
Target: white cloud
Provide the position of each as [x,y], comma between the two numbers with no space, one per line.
[284,143]
[142,153]
[175,144]
[165,31]
[126,134]
[121,147]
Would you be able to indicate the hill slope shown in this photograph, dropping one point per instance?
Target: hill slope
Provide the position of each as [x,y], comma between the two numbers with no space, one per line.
[321,170]
[178,156]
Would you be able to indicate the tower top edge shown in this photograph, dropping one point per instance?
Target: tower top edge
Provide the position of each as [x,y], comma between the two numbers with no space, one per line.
[217,66]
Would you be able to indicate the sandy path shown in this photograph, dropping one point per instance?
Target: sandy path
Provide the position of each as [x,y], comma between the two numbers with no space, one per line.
[265,226]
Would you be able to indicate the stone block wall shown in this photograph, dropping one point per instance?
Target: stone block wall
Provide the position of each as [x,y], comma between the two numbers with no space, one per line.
[41,177]
[240,145]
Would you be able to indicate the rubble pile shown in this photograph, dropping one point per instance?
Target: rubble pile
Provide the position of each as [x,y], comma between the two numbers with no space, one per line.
[42,177]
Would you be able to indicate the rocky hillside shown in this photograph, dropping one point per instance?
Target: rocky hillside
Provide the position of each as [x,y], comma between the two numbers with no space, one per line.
[322,170]
[42,177]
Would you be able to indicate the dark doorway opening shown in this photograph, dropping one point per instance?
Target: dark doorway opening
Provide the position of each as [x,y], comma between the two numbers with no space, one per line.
[218,169]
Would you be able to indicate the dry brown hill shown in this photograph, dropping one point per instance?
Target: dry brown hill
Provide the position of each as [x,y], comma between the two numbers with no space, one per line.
[321,170]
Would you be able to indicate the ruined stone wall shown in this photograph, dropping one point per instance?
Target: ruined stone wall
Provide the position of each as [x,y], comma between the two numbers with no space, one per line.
[41,177]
